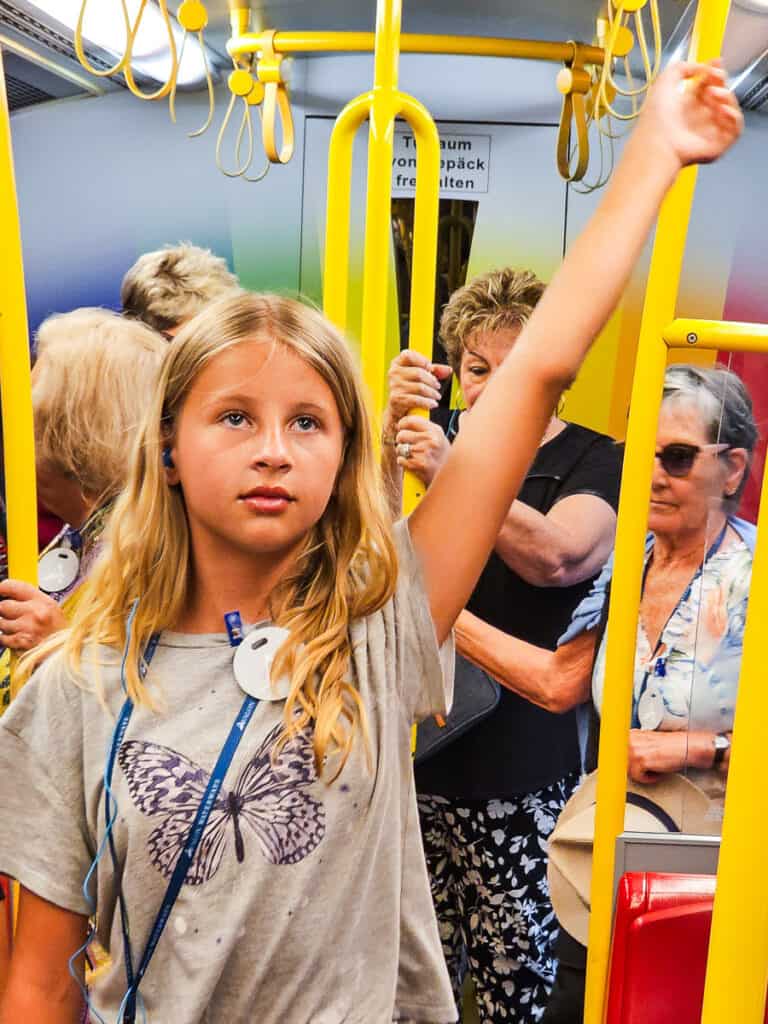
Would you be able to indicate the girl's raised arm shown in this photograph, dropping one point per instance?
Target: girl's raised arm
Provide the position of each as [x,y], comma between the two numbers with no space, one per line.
[689,117]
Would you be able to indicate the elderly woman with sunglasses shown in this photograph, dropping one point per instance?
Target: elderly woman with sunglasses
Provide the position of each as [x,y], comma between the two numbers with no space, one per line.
[695,587]
[692,612]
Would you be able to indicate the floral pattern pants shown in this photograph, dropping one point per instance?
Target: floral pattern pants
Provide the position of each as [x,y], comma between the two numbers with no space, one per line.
[487,863]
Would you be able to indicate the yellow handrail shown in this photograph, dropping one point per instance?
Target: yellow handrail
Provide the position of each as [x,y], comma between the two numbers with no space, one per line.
[658,312]
[382,105]
[15,383]
[685,334]
[425,227]
[360,42]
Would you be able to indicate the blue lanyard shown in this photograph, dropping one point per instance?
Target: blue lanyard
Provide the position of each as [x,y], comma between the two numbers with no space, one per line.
[659,668]
[244,715]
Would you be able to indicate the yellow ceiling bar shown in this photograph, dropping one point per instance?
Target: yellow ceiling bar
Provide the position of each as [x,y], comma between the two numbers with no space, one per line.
[658,312]
[684,335]
[15,384]
[245,43]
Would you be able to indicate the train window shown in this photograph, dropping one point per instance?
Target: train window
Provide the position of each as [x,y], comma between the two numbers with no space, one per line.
[456,227]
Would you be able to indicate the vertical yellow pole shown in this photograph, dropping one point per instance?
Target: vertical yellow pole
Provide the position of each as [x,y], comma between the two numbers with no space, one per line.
[337,211]
[378,213]
[737,969]
[658,311]
[15,398]
[15,386]
[427,208]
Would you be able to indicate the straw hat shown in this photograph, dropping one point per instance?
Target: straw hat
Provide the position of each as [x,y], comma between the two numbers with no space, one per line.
[673,804]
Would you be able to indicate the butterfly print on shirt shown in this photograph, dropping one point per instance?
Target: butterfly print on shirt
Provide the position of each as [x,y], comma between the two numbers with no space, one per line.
[271,799]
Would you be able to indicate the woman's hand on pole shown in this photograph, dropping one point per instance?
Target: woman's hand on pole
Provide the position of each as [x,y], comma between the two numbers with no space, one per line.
[27,615]
[421,447]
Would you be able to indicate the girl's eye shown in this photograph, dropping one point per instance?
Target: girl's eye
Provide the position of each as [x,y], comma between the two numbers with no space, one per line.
[478,371]
[306,423]
[234,419]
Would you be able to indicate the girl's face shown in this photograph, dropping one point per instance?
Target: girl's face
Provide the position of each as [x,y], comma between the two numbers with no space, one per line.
[484,352]
[257,450]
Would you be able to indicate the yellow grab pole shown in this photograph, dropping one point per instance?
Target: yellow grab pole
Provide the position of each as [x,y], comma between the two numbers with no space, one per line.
[338,206]
[15,385]
[685,334]
[378,214]
[737,967]
[658,311]
[427,208]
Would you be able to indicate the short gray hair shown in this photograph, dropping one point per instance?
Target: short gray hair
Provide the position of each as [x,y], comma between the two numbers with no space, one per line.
[170,285]
[724,405]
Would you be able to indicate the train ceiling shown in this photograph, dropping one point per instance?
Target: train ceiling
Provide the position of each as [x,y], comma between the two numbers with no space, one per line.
[41,64]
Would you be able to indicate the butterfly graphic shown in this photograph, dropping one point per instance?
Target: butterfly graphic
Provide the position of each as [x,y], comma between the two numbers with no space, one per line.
[270,798]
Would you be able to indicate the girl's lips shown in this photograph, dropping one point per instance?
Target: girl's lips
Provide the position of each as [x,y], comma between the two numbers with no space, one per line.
[263,502]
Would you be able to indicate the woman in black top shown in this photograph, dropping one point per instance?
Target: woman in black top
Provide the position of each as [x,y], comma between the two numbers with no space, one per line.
[489,800]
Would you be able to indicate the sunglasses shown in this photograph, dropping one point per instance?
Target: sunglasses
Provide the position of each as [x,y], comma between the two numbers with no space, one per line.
[678,459]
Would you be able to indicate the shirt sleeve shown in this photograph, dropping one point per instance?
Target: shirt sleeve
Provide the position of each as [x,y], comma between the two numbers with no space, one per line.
[44,840]
[586,615]
[598,472]
[424,669]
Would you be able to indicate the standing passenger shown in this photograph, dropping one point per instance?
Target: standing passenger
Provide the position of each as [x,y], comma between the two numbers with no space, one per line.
[489,800]
[91,385]
[254,487]
[169,286]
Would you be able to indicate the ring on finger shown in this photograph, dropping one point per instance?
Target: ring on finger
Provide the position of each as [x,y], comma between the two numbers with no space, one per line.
[404,450]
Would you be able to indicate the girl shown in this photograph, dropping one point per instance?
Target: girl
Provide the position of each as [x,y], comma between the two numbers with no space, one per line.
[251,856]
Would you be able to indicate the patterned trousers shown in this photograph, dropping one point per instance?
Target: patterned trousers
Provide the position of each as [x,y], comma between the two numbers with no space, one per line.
[487,863]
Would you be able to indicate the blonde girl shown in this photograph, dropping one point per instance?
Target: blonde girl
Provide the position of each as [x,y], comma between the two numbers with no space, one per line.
[254,490]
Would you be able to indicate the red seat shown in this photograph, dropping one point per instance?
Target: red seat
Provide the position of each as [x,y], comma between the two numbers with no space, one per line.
[659,949]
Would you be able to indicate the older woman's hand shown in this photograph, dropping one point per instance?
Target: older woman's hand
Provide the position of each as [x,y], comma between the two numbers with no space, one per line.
[27,615]
[653,754]
[427,445]
[414,383]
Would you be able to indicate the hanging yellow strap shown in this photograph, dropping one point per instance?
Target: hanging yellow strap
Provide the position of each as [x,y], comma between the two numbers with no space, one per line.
[574,82]
[193,18]
[164,89]
[275,102]
[80,49]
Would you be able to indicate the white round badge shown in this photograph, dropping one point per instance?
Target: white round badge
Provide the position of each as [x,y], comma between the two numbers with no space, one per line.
[650,708]
[57,570]
[252,663]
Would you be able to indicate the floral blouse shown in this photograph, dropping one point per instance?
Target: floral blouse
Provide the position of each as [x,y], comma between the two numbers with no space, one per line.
[690,681]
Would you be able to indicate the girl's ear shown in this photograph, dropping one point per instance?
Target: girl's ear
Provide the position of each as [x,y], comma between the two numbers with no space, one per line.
[171,473]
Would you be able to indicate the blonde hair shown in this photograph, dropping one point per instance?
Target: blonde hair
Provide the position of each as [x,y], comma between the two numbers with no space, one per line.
[92,381]
[170,285]
[490,302]
[346,570]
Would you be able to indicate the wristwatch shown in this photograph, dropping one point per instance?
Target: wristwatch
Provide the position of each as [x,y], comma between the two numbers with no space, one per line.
[722,743]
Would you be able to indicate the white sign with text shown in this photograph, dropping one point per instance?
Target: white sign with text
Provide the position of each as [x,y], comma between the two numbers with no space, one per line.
[464,161]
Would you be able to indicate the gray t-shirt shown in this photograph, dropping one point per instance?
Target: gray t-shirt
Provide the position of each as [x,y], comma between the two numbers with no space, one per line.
[292,909]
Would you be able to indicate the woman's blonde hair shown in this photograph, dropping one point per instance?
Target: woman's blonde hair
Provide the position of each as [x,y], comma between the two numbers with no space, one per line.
[93,378]
[490,302]
[346,570]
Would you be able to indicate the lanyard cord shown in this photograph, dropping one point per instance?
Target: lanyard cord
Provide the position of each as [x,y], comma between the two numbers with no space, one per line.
[127,1011]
